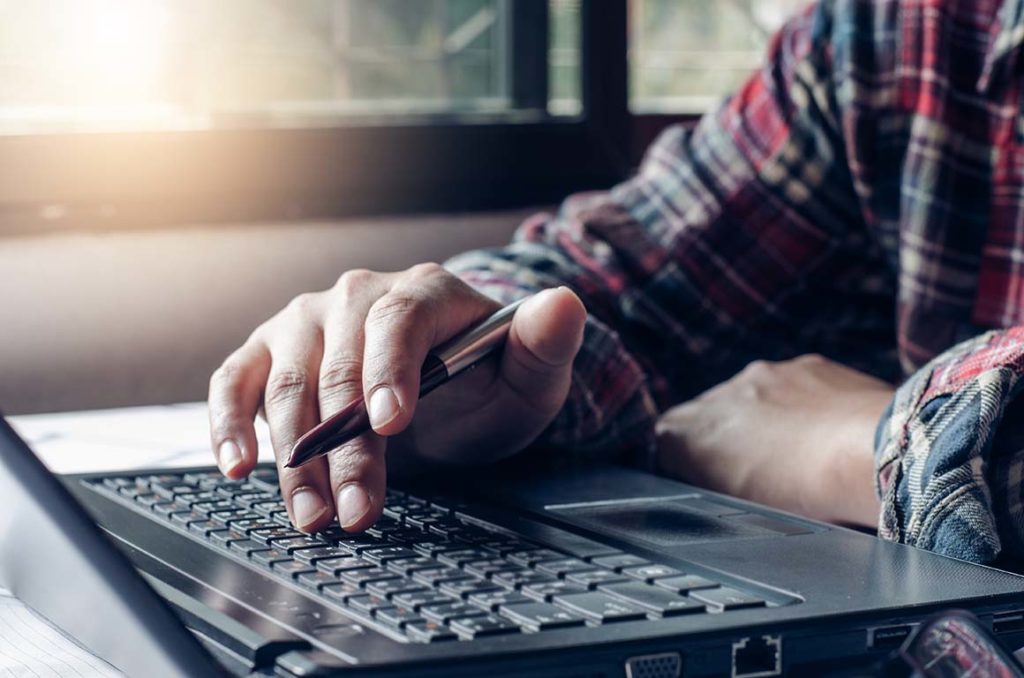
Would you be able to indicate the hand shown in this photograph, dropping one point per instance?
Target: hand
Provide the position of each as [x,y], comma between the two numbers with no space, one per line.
[369,335]
[797,435]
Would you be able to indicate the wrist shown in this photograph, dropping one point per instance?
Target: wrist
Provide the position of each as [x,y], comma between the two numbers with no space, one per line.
[852,497]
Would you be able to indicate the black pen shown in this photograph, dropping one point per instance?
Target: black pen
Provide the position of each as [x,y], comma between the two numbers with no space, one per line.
[455,355]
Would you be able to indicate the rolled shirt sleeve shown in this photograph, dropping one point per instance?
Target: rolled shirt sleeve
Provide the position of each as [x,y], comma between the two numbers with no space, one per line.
[949,454]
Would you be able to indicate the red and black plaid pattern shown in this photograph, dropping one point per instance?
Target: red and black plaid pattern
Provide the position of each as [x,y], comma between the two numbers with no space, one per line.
[862,196]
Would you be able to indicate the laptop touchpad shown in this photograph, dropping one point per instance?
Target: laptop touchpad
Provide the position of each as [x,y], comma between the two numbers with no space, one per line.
[672,522]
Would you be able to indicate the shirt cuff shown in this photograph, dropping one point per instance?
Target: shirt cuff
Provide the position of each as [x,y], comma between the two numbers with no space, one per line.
[948,473]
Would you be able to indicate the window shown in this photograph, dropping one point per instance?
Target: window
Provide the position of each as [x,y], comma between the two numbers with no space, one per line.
[684,55]
[134,112]
[89,65]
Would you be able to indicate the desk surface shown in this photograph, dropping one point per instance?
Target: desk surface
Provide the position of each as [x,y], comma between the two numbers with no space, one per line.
[79,442]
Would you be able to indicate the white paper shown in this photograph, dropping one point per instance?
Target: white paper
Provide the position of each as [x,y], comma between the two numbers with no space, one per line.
[31,648]
[127,438]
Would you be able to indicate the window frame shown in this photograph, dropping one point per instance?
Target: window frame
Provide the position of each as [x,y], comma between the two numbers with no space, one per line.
[140,179]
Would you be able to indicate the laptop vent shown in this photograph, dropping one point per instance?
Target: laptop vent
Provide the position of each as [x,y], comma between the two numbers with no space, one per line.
[665,665]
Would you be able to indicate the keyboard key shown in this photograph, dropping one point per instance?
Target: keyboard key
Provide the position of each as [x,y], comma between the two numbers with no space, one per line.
[250,524]
[171,491]
[433,548]
[397,617]
[653,599]
[531,557]
[148,500]
[511,545]
[208,507]
[545,590]
[599,607]
[438,575]
[487,568]
[429,632]
[367,603]
[487,625]
[515,580]
[339,592]
[315,580]
[201,476]
[248,546]
[540,616]
[117,483]
[649,573]
[266,480]
[342,564]
[463,588]
[290,568]
[356,544]
[389,587]
[565,566]
[444,612]
[225,537]
[184,519]
[620,561]
[293,544]
[318,553]
[266,507]
[384,554]
[406,566]
[726,598]
[592,580]
[416,599]
[685,583]
[166,508]
[460,557]
[492,600]
[269,557]
[204,527]
[228,515]
[363,577]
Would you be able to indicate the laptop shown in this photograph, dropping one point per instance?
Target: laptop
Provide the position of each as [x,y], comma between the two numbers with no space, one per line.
[530,569]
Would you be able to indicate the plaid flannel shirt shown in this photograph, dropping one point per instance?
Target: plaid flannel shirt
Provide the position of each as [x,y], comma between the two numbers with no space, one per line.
[862,197]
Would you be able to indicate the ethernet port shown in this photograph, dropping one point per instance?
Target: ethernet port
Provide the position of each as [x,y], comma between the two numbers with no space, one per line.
[758,656]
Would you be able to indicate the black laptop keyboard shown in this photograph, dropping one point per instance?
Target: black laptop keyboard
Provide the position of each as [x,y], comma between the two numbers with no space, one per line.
[426,570]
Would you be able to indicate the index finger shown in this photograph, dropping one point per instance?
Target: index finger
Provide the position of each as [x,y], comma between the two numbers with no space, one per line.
[236,392]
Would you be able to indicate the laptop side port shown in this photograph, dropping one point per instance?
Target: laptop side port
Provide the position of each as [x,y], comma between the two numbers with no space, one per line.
[1008,622]
[664,665]
[888,637]
[757,656]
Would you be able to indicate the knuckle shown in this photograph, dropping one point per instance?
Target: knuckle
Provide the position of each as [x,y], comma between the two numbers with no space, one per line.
[286,386]
[428,269]
[397,306]
[809,359]
[342,373]
[758,368]
[227,377]
[353,281]
[304,304]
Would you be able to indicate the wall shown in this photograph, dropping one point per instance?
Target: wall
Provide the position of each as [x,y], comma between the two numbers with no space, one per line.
[91,320]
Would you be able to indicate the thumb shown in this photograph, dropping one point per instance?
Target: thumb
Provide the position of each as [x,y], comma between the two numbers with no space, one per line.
[546,335]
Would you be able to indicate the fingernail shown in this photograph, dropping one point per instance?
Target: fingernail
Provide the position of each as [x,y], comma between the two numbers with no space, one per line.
[228,456]
[383,407]
[353,504]
[307,506]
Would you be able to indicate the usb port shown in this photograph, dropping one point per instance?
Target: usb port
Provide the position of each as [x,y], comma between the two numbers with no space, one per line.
[888,637]
[1008,622]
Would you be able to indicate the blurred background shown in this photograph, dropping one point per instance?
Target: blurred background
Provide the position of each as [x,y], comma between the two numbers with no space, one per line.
[173,171]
